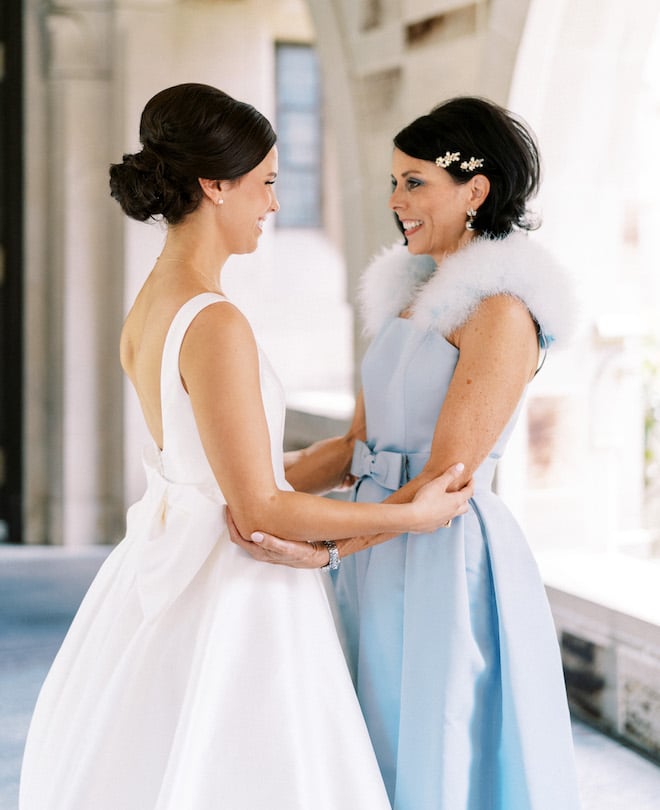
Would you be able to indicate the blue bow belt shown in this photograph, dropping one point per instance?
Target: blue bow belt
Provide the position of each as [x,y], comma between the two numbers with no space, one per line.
[391,470]
[388,468]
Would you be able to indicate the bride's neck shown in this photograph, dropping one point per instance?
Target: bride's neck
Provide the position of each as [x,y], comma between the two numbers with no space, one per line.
[195,253]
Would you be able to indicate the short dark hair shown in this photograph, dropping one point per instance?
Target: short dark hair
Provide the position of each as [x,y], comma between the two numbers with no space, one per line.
[478,128]
[187,132]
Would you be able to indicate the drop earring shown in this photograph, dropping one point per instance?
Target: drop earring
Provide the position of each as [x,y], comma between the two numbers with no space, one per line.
[469,223]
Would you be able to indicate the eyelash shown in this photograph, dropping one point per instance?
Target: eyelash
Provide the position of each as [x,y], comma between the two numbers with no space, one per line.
[411,183]
[270,182]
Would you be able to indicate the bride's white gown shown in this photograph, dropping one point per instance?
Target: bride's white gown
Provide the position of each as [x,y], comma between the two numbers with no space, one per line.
[193,677]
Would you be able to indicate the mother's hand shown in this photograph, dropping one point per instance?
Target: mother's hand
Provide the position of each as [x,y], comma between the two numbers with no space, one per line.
[267,548]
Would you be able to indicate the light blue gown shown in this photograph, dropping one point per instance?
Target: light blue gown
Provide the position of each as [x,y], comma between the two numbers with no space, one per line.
[449,635]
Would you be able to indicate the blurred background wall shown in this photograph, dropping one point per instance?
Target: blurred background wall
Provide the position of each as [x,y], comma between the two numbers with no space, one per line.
[338,78]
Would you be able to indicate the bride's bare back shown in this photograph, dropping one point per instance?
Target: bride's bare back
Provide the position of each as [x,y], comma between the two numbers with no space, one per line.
[143,338]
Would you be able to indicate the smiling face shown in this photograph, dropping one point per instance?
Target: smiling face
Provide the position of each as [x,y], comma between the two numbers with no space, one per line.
[247,203]
[431,205]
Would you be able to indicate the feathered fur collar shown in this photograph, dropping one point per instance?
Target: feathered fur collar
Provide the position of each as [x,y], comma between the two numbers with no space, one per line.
[442,298]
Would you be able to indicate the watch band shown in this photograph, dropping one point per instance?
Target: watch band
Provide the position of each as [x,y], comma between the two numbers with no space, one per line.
[333,551]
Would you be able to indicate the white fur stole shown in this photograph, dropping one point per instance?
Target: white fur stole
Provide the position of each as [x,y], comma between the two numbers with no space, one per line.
[443,298]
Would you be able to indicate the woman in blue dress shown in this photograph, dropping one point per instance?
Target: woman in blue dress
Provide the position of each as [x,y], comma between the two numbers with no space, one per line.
[449,635]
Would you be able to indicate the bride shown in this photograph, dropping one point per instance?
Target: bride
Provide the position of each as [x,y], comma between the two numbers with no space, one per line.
[191,677]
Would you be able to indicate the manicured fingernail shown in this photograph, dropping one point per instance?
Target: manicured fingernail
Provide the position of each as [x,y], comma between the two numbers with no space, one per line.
[257,537]
[459,467]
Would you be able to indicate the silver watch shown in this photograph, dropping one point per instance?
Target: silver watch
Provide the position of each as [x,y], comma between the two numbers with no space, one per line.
[334,561]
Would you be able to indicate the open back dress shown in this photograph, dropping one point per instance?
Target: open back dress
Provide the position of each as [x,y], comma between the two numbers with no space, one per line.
[193,677]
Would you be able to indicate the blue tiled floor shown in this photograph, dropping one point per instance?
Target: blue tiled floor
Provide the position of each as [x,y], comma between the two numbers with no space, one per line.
[39,592]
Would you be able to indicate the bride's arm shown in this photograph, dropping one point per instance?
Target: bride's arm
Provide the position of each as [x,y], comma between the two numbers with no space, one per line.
[498,353]
[219,366]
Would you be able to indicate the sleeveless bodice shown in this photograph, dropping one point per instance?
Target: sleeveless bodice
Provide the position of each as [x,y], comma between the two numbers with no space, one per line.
[183,459]
[410,369]
[182,507]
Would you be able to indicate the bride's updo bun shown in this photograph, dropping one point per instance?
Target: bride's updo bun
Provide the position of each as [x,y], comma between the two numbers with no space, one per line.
[137,183]
[187,132]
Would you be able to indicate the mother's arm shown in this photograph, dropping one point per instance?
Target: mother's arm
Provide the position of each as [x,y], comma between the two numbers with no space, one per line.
[498,354]
[326,464]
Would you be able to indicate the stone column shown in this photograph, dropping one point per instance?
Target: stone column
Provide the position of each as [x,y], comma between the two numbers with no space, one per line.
[84,279]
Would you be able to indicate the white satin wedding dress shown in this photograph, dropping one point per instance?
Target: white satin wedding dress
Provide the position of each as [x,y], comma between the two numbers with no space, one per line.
[193,677]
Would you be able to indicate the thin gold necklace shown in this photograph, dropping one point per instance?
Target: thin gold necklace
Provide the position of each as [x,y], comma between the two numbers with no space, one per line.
[197,272]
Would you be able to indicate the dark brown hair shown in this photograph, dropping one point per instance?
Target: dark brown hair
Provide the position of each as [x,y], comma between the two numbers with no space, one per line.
[478,128]
[187,132]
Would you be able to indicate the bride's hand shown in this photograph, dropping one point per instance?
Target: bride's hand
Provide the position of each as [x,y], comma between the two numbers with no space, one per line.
[268,548]
[436,507]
